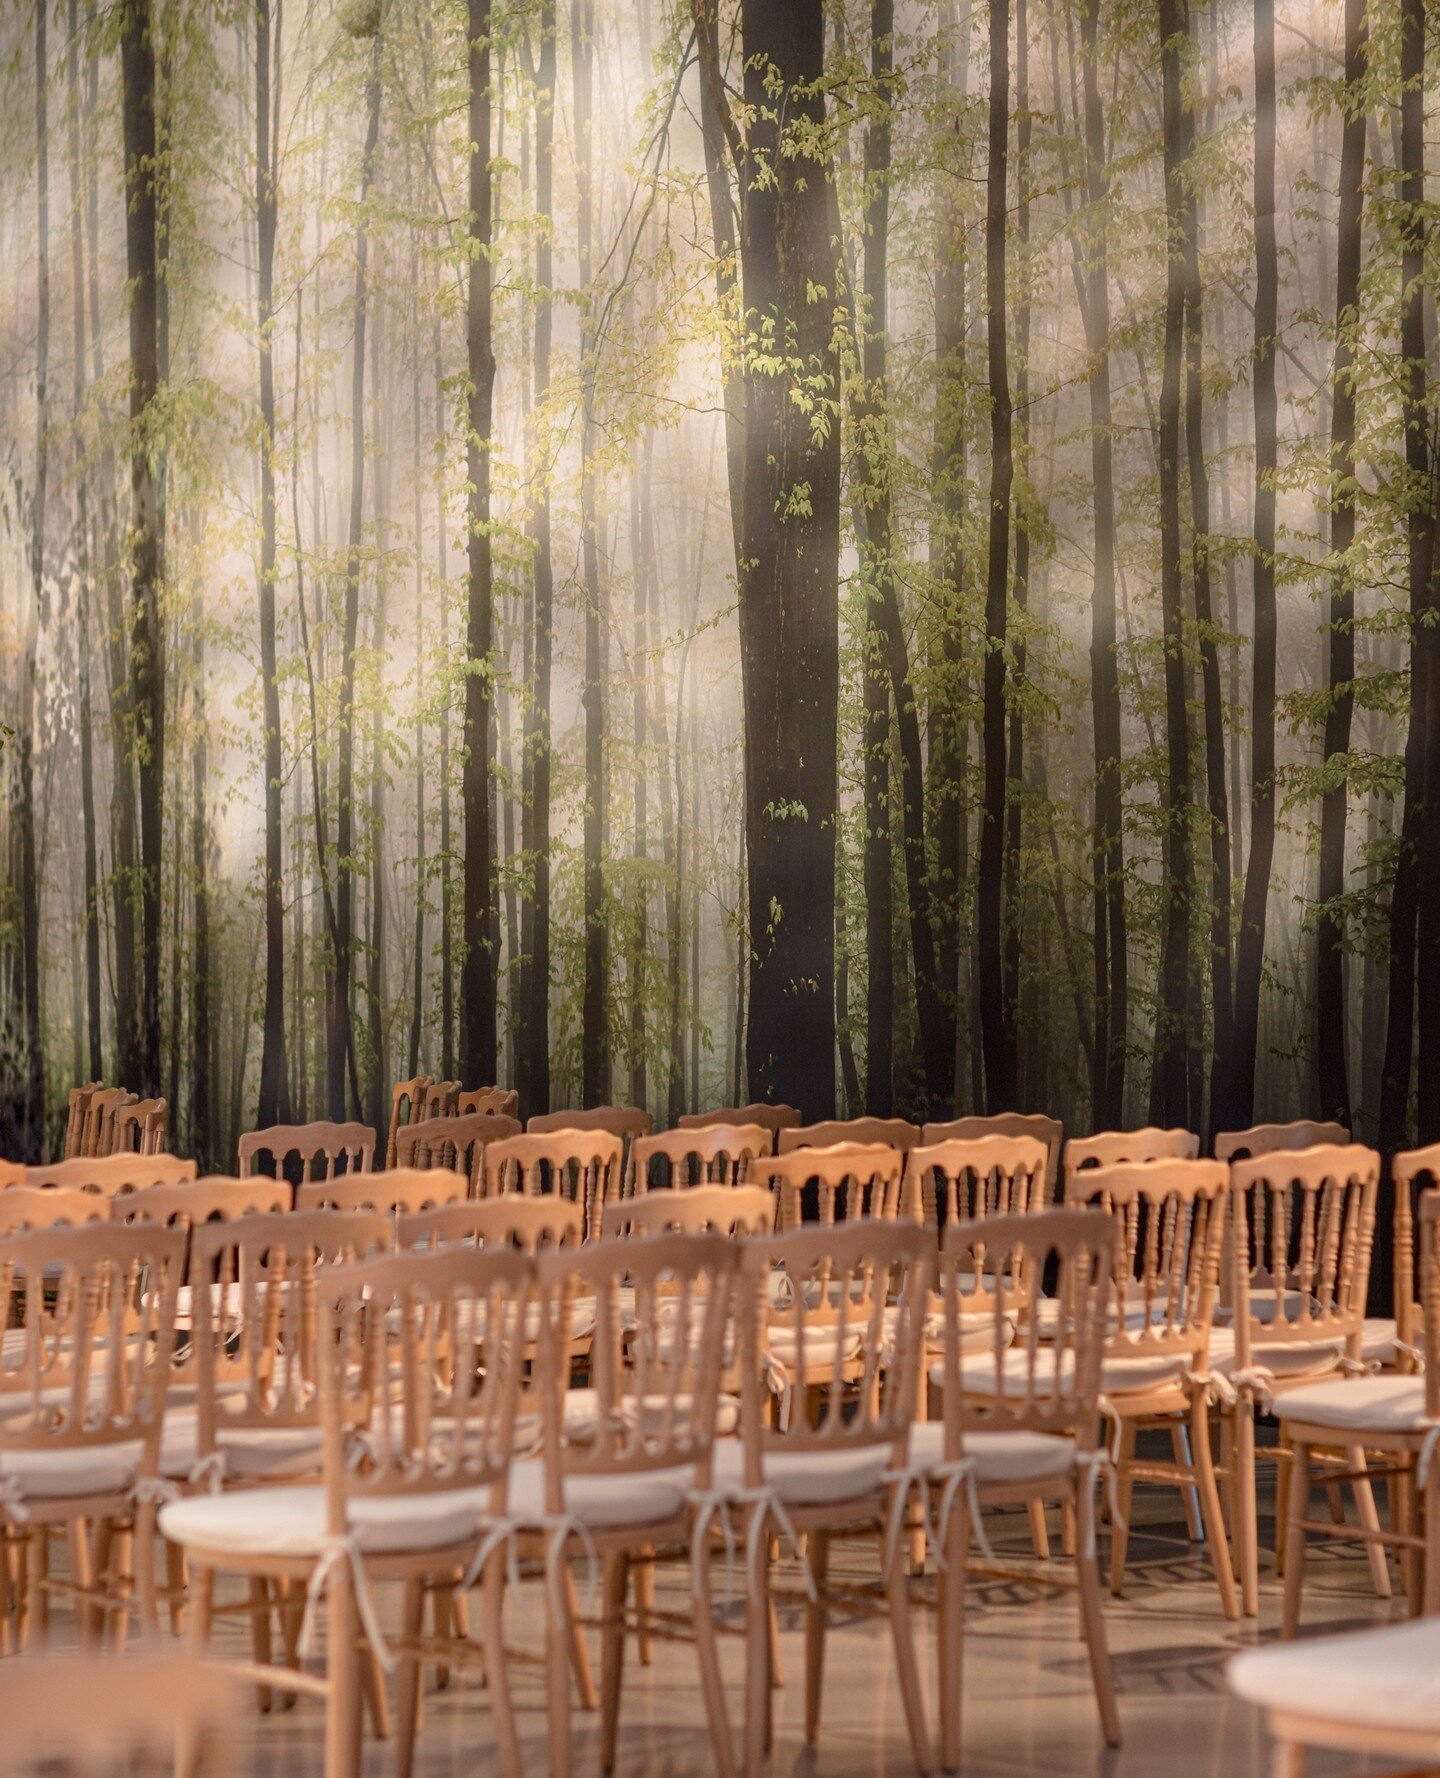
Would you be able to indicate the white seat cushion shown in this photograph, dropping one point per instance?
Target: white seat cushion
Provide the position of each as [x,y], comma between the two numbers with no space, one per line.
[1119,1376]
[291,1521]
[582,1417]
[1377,1343]
[605,1502]
[1385,1676]
[253,1454]
[1358,1404]
[808,1478]
[1284,1358]
[69,1474]
[999,1457]
[824,1345]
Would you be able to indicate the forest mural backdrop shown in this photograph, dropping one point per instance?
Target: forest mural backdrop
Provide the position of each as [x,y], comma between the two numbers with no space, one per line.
[881,555]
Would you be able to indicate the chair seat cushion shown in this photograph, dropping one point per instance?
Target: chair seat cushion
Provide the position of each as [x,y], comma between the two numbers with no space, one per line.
[254,1453]
[70,1474]
[605,1502]
[1283,1358]
[290,1521]
[1119,1375]
[825,1344]
[808,1478]
[1384,1676]
[1377,1342]
[999,1457]
[1358,1404]
[582,1417]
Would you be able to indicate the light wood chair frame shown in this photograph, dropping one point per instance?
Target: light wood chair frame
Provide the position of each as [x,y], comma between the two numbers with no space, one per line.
[586,1166]
[856,1132]
[319,1146]
[850,1180]
[1033,1124]
[769,1117]
[398,1191]
[1113,1148]
[1265,1139]
[455,1140]
[110,1175]
[714,1154]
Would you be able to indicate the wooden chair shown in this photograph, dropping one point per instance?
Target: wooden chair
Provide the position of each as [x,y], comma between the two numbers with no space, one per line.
[531,1224]
[13,1173]
[1263,1139]
[1302,1228]
[322,1149]
[1394,1414]
[1169,1237]
[40,1207]
[1048,1130]
[487,1102]
[98,1137]
[842,1182]
[715,1154]
[417,1458]
[991,1175]
[842,1468]
[584,1166]
[82,1402]
[407,1106]
[625,1121]
[440,1099]
[215,1198]
[1033,1435]
[109,1176]
[1114,1148]
[769,1117]
[397,1191]
[456,1140]
[635,1480]
[1410,1171]
[135,1709]
[868,1132]
[142,1127]
[736,1211]
[77,1114]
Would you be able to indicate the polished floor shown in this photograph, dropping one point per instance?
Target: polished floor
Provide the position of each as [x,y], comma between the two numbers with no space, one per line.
[1029,1711]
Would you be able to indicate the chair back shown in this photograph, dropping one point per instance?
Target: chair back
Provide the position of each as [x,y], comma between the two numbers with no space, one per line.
[407,1106]
[98,1138]
[439,1100]
[13,1173]
[487,1102]
[456,1140]
[77,1102]
[625,1121]
[662,1309]
[1168,1238]
[717,1154]
[1430,1296]
[851,1310]
[531,1224]
[421,1374]
[1411,1171]
[582,1165]
[1113,1148]
[1303,1232]
[1048,1130]
[1263,1139]
[867,1132]
[111,1175]
[322,1149]
[978,1176]
[841,1183]
[1048,1380]
[773,1118]
[731,1210]
[44,1206]
[141,1127]
[216,1198]
[395,1192]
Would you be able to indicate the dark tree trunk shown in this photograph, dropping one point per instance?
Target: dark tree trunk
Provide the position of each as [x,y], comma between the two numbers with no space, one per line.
[447,927]
[995,1042]
[641,561]
[274,1093]
[1172,1011]
[789,576]
[1332,1049]
[535,828]
[722,227]
[341,1035]
[422,886]
[478,1058]
[147,667]
[1250,949]
[202,1077]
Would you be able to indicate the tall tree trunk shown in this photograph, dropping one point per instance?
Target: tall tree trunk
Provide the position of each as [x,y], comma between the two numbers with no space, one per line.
[535,829]
[1250,950]
[641,560]
[340,1039]
[147,667]
[789,576]
[478,1061]
[447,926]
[995,1040]
[85,562]
[1172,1012]
[274,1092]
[422,885]
[377,1103]
[202,1075]
[722,230]
[1332,1049]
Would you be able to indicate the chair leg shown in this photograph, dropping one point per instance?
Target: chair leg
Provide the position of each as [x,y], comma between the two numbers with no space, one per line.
[951,1639]
[1299,1493]
[197,1642]
[1431,1580]
[1092,1624]
[644,1571]
[1288,1760]
[343,1675]
[612,1653]
[1247,1530]
[759,1665]
[579,1654]
[1180,1449]
[497,1673]
[443,1610]
[175,1585]
[817,1560]
[712,1683]
[1125,1490]
[1369,1517]
[258,1592]
[907,1667]
[561,1635]
[407,1718]
[375,1693]
[82,1572]
[1039,1530]
[143,1551]
[1210,1505]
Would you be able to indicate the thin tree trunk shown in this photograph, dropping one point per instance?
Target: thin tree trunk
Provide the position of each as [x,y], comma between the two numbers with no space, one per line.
[1332,1049]
[1250,950]
[995,1041]
[478,1054]
[641,558]
[447,978]
[422,887]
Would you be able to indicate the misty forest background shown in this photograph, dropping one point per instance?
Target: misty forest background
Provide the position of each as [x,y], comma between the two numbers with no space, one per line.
[879,555]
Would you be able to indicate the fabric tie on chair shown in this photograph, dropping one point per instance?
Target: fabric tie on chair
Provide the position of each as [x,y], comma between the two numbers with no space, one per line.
[152,1490]
[1428,1448]
[712,1506]
[770,1506]
[12,1499]
[955,1474]
[1092,1465]
[335,1552]
[210,1472]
